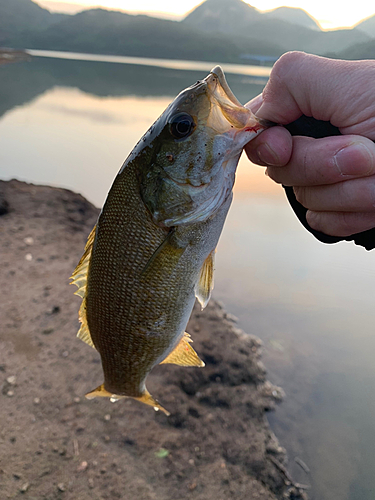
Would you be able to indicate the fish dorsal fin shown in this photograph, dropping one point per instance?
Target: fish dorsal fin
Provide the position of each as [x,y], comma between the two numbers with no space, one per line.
[79,278]
[84,332]
[205,283]
[183,354]
[147,399]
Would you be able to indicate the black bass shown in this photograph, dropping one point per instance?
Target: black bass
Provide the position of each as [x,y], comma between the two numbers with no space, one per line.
[152,250]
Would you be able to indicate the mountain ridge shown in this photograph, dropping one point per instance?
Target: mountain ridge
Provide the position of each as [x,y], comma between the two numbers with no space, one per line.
[226,30]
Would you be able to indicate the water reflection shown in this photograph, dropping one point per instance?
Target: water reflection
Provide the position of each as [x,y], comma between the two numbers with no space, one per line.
[72,123]
[239,69]
[312,306]
[73,139]
[22,82]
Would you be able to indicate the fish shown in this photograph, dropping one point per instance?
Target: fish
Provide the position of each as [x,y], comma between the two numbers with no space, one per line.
[151,252]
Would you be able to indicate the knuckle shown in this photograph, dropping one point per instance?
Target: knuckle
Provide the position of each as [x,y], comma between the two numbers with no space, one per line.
[278,77]
[287,60]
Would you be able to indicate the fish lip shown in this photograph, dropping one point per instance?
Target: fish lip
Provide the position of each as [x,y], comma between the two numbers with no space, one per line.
[218,73]
[232,114]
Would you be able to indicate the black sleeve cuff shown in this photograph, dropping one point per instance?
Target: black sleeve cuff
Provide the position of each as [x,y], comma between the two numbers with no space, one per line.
[308,126]
[365,239]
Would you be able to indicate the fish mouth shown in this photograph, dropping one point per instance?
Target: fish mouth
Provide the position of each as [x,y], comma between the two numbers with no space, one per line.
[227,110]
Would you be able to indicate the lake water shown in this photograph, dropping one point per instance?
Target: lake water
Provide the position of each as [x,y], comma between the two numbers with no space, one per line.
[71,123]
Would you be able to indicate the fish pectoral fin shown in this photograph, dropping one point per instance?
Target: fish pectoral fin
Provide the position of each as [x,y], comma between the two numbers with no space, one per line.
[183,354]
[165,257]
[147,399]
[205,283]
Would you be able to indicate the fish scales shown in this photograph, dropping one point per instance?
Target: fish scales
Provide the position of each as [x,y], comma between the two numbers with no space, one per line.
[151,252]
[133,318]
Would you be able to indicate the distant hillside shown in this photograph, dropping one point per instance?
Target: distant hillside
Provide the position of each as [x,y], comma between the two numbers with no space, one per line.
[217,30]
[237,18]
[359,51]
[368,26]
[224,16]
[109,32]
[294,16]
[18,17]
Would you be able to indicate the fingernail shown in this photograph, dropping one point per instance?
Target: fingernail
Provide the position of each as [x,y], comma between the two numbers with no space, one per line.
[267,155]
[355,159]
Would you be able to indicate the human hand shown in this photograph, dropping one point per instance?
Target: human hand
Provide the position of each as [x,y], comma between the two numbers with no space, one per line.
[334,177]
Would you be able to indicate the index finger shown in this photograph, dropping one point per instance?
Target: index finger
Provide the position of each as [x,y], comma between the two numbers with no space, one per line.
[329,160]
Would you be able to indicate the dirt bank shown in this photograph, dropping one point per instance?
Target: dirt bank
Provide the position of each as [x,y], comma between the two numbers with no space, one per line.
[55,444]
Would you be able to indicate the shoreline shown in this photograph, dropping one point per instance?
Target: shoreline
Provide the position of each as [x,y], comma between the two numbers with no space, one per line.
[8,55]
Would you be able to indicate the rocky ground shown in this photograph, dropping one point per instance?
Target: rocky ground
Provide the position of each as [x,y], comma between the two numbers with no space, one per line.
[55,444]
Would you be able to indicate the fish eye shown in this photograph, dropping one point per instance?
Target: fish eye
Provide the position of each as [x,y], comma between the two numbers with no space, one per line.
[181,125]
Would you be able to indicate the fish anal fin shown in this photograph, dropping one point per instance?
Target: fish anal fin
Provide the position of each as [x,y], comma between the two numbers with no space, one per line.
[205,283]
[183,354]
[147,399]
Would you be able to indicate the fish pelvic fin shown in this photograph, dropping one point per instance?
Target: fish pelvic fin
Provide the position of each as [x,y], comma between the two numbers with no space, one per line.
[79,278]
[205,283]
[146,398]
[183,354]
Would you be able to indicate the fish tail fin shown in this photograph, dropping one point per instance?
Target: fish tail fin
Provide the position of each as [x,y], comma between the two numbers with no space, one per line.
[99,392]
[147,399]
[79,278]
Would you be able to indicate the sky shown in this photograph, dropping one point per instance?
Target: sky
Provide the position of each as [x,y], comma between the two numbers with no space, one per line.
[330,14]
